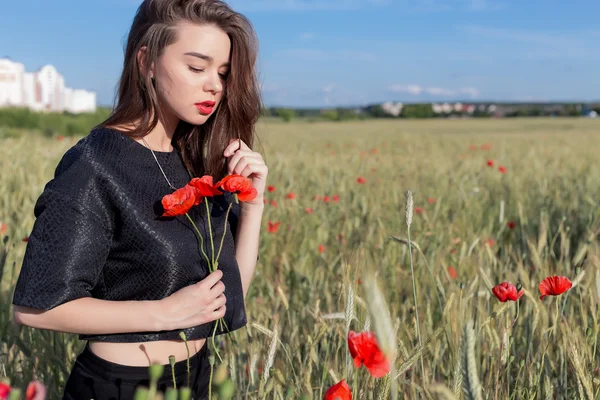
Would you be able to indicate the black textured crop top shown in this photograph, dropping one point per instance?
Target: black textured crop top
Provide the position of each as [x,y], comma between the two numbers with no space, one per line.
[98,233]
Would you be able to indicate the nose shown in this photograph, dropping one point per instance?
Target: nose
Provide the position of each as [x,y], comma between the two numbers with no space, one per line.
[214,84]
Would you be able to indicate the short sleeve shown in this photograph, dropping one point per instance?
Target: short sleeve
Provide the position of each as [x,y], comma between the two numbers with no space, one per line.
[70,240]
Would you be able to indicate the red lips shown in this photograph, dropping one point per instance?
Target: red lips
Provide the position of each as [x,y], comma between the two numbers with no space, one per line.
[205,107]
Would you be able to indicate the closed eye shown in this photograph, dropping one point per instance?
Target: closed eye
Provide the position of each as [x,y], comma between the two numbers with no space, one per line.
[196,70]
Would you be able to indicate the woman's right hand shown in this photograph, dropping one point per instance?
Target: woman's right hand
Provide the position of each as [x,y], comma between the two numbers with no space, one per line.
[193,305]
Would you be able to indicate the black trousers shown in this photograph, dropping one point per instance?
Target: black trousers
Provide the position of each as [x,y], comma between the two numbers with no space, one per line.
[95,378]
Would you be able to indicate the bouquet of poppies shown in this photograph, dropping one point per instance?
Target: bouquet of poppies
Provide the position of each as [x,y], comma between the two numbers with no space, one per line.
[195,193]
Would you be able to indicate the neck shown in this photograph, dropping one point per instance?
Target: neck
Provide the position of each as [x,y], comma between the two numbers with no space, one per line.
[161,136]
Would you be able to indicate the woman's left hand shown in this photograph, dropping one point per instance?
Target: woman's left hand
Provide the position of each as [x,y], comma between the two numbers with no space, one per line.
[249,164]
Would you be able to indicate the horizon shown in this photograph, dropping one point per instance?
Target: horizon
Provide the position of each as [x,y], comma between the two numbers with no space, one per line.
[345,53]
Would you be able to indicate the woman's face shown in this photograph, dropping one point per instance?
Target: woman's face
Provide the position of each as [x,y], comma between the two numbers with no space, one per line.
[193,70]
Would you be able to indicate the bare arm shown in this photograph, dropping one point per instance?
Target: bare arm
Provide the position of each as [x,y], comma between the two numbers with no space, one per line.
[191,305]
[92,316]
[247,239]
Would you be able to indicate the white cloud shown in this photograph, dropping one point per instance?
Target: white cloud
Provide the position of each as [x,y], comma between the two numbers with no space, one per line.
[412,89]
[437,91]
[434,90]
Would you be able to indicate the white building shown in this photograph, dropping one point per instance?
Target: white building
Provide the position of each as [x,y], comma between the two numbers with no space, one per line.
[392,108]
[43,90]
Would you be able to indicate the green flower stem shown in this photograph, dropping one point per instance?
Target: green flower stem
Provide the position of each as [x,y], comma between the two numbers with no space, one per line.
[201,240]
[224,231]
[212,245]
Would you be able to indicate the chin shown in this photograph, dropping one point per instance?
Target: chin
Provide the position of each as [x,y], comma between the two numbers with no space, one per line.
[198,119]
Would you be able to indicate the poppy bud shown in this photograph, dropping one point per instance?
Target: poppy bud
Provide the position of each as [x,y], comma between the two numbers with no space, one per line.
[521,363]
[156,371]
[462,285]
[588,331]
[519,286]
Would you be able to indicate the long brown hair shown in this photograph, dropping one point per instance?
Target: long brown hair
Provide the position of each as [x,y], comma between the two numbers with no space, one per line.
[201,146]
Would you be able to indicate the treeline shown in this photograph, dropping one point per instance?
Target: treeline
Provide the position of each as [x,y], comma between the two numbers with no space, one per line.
[50,124]
[14,120]
[427,111]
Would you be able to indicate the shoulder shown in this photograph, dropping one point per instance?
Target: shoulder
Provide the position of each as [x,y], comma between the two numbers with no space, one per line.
[100,146]
[86,168]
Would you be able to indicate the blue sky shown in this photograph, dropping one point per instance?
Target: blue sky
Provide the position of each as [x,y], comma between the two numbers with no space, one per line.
[316,53]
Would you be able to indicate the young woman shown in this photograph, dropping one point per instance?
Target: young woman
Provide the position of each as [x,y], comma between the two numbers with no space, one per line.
[101,260]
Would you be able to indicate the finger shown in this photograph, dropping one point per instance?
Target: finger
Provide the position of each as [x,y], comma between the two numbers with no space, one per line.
[259,169]
[218,302]
[216,290]
[212,279]
[242,153]
[235,166]
[235,144]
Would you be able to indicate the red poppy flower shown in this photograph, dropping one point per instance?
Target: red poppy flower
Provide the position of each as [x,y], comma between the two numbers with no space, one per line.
[274,203]
[4,391]
[308,210]
[35,391]
[554,286]
[274,226]
[490,242]
[235,183]
[511,225]
[3,228]
[418,210]
[506,291]
[291,195]
[271,188]
[326,199]
[60,137]
[502,169]
[265,200]
[365,350]
[336,198]
[339,391]
[315,197]
[360,179]
[472,147]
[26,239]
[490,163]
[321,248]
[179,202]
[373,151]
[205,186]
[431,200]
[373,169]
[452,272]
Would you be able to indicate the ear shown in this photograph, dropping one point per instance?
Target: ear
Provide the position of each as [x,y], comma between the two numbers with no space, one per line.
[142,57]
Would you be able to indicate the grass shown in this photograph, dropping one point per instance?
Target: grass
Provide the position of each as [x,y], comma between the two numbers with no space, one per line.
[302,302]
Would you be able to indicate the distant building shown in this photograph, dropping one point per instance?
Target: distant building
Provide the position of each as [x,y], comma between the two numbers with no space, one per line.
[392,108]
[43,90]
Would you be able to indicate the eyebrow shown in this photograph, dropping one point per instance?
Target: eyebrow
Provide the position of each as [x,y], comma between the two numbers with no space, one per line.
[205,57]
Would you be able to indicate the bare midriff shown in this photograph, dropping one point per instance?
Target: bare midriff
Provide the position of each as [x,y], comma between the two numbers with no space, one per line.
[145,353]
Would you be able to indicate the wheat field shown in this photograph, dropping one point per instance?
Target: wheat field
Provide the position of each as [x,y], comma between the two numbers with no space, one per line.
[345,264]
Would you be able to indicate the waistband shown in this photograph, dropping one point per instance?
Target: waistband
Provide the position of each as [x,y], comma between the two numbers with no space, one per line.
[109,371]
